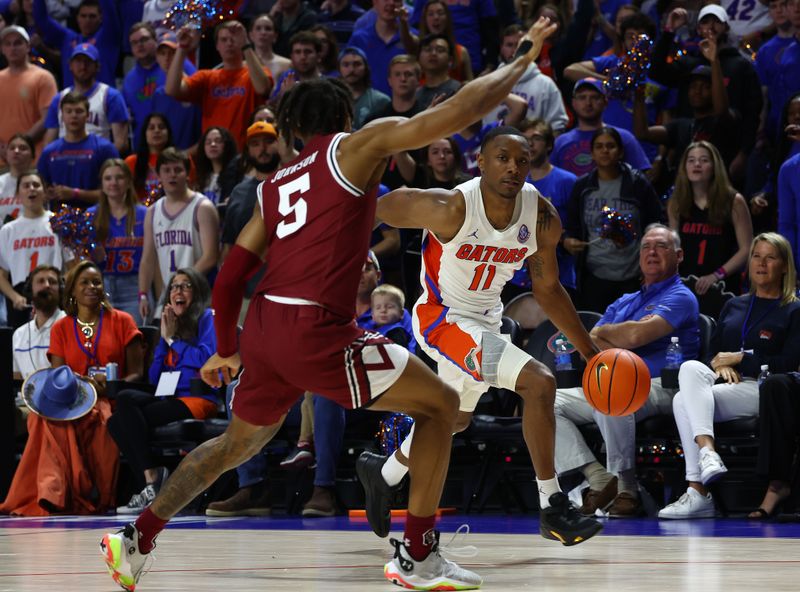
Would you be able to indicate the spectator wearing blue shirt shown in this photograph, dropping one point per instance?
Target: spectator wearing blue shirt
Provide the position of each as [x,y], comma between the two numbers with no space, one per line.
[643,322]
[380,42]
[572,151]
[119,236]
[789,203]
[130,13]
[305,51]
[183,117]
[768,61]
[108,114]
[787,82]
[140,83]
[603,34]
[72,164]
[98,23]
[553,183]
[340,17]
[619,113]
[187,342]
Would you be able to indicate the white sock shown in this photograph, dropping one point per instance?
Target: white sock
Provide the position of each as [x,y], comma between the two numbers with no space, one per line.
[393,470]
[547,488]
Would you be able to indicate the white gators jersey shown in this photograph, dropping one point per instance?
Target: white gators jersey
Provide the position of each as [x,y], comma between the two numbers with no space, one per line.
[27,243]
[177,238]
[468,273]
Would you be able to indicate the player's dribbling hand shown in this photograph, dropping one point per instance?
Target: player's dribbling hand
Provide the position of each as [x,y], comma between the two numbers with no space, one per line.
[216,365]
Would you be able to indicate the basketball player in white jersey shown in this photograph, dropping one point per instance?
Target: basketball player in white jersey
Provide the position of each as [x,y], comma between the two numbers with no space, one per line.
[476,236]
[180,229]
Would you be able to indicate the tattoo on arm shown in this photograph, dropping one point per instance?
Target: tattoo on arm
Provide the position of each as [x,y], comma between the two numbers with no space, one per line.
[544,219]
[537,267]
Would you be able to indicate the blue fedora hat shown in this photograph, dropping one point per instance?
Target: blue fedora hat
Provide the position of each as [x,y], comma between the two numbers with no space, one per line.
[58,394]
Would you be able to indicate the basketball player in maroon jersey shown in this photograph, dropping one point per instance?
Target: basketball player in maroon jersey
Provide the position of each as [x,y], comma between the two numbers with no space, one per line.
[311,226]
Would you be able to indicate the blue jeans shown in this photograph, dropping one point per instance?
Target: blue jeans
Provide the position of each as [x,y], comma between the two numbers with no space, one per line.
[329,422]
[123,291]
[254,470]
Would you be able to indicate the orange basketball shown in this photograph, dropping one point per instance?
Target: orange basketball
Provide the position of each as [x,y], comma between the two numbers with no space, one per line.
[616,382]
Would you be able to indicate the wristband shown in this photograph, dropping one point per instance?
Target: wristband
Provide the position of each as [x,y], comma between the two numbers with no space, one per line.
[247,46]
[142,295]
[720,273]
[523,48]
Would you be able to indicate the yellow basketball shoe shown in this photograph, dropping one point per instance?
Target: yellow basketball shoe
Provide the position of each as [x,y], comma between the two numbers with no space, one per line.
[125,562]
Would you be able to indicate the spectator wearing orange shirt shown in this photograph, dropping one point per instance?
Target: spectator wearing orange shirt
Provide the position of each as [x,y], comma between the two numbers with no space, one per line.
[224,94]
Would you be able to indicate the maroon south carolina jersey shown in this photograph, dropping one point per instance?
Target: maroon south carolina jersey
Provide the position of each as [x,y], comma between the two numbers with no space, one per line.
[318,228]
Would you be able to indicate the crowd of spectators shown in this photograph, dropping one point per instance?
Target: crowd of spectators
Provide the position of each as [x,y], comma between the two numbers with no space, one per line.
[163,136]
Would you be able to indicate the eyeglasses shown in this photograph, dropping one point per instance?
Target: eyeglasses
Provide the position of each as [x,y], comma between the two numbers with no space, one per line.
[184,287]
[656,246]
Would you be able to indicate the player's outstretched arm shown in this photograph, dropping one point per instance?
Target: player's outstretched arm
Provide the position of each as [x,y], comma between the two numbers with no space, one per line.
[439,210]
[549,292]
[477,98]
[243,261]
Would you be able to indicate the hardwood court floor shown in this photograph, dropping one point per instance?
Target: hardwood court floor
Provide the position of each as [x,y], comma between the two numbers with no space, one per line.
[64,557]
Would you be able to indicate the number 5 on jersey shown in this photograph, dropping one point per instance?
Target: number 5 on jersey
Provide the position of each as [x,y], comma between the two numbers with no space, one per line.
[286,207]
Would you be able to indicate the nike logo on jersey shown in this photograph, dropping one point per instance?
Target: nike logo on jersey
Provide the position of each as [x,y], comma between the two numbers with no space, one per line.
[474,234]
[469,252]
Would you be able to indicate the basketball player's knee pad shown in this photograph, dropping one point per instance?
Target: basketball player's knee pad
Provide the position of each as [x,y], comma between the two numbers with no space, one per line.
[501,361]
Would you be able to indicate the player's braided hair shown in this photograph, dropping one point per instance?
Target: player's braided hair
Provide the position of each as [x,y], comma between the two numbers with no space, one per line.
[315,107]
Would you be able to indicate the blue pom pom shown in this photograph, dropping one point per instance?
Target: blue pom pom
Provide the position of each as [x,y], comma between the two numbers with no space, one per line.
[616,227]
[630,71]
[75,229]
[392,431]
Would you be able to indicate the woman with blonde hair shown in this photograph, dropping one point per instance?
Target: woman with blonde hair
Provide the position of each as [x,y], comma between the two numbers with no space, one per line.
[119,235]
[759,329]
[712,219]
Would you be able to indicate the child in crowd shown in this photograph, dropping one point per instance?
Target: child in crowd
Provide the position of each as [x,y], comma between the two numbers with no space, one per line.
[390,318]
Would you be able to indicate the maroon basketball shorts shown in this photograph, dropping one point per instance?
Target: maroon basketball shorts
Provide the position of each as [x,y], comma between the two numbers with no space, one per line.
[287,349]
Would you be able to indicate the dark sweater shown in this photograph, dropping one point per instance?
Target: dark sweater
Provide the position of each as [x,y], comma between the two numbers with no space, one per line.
[773,334]
[741,81]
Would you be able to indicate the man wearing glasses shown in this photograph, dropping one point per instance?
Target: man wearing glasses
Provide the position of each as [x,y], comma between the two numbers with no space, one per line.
[643,322]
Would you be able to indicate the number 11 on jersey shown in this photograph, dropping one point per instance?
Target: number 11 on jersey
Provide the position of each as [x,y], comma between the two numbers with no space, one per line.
[490,270]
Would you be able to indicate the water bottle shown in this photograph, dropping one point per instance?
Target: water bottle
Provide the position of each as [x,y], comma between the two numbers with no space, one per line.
[763,375]
[562,355]
[674,354]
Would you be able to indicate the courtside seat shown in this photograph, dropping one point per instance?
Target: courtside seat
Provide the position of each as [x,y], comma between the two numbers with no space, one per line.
[179,437]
